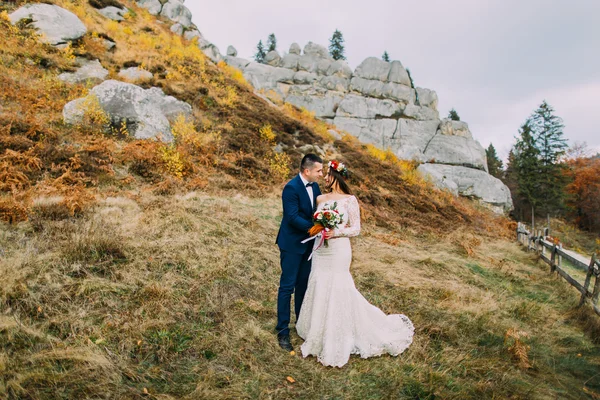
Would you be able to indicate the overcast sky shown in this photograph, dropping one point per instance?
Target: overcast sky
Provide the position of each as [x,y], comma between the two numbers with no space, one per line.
[494,61]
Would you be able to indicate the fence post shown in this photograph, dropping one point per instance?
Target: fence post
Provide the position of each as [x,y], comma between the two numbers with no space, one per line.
[559,256]
[553,259]
[588,278]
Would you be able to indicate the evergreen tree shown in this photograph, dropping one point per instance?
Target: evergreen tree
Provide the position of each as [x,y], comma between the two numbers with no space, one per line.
[453,115]
[336,46]
[495,165]
[271,43]
[528,168]
[547,132]
[385,57]
[259,57]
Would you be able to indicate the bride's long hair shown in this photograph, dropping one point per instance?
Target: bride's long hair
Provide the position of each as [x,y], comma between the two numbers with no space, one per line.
[337,177]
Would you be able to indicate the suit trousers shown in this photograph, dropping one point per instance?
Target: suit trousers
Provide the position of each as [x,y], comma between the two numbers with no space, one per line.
[295,270]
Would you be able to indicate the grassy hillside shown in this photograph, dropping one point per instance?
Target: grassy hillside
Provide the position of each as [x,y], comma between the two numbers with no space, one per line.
[134,269]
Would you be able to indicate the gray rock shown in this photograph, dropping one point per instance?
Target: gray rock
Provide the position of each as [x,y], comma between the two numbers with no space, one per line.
[335,134]
[427,98]
[367,87]
[334,83]
[295,49]
[145,112]
[108,44]
[379,132]
[323,107]
[471,183]
[212,52]
[91,71]
[114,13]
[231,51]
[314,49]
[237,62]
[177,12]
[420,113]
[154,7]
[455,150]
[323,66]
[55,24]
[191,34]
[413,137]
[362,107]
[304,78]
[340,68]
[290,61]
[308,63]
[398,74]
[135,74]
[177,29]
[398,92]
[273,58]
[373,68]
[263,76]
[455,128]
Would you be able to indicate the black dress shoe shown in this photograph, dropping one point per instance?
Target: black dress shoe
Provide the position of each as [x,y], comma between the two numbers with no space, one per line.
[284,342]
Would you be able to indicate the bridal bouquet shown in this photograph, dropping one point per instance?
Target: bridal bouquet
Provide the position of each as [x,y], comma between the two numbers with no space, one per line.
[327,218]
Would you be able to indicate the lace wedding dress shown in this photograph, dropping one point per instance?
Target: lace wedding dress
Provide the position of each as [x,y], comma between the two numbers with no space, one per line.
[336,320]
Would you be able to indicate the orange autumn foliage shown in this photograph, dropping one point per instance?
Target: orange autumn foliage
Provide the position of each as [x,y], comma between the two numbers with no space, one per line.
[584,191]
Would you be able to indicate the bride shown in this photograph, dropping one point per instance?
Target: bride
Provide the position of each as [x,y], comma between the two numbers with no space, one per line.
[336,320]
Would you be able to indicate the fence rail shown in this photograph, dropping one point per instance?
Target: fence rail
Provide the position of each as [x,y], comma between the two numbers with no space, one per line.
[554,254]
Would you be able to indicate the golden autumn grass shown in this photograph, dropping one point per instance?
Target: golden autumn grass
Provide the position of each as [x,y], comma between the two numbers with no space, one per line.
[135,269]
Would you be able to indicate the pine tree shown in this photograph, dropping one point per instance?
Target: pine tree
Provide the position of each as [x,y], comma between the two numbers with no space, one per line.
[547,132]
[412,83]
[385,57]
[259,57]
[271,43]
[527,168]
[336,46]
[453,115]
[495,166]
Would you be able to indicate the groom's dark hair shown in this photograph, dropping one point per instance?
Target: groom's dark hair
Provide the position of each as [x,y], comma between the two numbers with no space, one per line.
[309,160]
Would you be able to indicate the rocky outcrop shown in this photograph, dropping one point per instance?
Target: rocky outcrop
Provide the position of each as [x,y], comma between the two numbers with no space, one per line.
[377,104]
[181,16]
[470,182]
[114,13]
[146,112]
[135,74]
[56,25]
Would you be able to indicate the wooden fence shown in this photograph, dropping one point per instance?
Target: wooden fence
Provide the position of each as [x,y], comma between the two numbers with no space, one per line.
[554,254]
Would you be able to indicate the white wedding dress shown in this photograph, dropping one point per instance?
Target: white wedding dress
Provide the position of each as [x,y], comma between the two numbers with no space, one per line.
[336,320]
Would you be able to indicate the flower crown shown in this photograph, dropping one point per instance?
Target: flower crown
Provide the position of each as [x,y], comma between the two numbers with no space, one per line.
[339,167]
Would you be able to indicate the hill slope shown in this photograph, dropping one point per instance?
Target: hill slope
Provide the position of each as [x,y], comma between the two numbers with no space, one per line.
[134,268]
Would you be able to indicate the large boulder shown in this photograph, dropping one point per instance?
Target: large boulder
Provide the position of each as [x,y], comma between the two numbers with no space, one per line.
[290,61]
[379,132]
[91,71]
[470,182]
[420,113]
[177,12]
[355,106]
[231,51]
[373,68]
[455,128]
[314,49]
[273,58]
[413,137]
[398,74]
[114,13]
[146,113]
[295,49]
[456,150]
[340,68]
[154,7]
[237,62]
[56,25]
[263,76]
[322,106]
[427,98]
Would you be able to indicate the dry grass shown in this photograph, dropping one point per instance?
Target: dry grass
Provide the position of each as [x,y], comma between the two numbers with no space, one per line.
[177,295]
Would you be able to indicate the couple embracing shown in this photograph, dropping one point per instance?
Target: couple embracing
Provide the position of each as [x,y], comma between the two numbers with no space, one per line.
[332,317]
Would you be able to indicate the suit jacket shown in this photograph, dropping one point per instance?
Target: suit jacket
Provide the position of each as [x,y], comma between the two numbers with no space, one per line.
[297,216]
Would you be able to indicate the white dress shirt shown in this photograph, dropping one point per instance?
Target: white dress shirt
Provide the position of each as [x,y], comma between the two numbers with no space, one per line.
[309,189]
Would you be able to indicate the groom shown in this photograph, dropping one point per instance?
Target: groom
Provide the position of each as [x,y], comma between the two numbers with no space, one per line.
[299,200]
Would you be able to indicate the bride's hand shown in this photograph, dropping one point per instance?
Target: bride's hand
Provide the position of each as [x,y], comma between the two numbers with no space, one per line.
[327,234]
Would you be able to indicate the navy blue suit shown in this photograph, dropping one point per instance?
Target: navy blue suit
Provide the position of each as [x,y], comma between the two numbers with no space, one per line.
[295,267]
